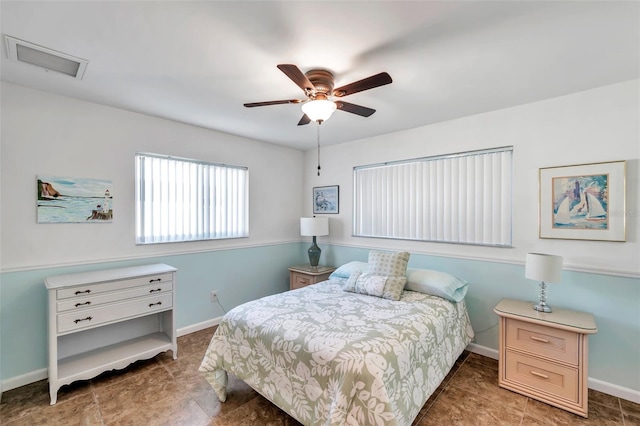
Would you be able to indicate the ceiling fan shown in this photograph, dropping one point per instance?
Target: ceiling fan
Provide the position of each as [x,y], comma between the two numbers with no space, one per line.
[317,85]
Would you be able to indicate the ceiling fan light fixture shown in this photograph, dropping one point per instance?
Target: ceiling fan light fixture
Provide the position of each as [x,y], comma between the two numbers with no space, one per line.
[319,110]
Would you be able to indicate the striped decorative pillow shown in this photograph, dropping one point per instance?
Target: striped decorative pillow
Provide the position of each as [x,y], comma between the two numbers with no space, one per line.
[375,285]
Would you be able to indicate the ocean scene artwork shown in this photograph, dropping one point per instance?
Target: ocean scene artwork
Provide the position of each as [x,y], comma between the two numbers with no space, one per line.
[581,202]
[325,199]
[74,200]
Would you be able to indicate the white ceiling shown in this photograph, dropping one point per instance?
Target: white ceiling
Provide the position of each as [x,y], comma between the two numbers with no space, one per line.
[198,62]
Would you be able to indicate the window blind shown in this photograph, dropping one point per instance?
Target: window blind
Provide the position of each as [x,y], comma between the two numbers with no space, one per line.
[179,199]
[459,198]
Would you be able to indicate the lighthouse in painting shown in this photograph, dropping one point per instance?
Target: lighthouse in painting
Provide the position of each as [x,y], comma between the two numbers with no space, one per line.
[105,204]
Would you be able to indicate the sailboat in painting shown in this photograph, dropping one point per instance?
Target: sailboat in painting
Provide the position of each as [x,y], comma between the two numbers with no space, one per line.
[588,212]
[595,211]
[563,215]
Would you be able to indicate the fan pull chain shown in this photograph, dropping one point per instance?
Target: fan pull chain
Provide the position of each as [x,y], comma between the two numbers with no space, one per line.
[319,147]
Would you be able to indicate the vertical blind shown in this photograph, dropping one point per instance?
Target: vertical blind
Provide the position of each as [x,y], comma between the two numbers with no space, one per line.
[179,199]
[460,198]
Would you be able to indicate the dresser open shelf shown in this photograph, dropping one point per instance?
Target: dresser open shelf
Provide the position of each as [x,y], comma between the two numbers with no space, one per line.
[105,320]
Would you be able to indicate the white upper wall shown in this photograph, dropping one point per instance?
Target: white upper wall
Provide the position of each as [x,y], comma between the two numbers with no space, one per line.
[597,125]
[48,134]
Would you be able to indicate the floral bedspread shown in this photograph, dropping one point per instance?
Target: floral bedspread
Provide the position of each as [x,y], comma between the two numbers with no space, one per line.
[329,357]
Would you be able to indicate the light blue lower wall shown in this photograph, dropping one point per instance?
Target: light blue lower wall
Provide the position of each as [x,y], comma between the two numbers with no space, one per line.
[239,275]
[614,352]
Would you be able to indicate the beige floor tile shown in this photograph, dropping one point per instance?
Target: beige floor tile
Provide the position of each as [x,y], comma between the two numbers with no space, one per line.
[81,410]
[631,412]
[483,382]
[164,391]
[456,406]
[536,411]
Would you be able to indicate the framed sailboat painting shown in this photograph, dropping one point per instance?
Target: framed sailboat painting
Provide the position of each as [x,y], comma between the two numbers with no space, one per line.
[583,201]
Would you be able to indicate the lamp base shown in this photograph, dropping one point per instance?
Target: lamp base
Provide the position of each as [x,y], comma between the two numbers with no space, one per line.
[314,254]
[542,304]
[542,307]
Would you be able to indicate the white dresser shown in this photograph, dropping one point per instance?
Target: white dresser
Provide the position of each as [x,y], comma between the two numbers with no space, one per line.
[105,320]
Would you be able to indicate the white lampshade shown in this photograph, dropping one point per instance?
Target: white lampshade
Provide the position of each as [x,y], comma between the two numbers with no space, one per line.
[314,226]
[319,110]
[543,267]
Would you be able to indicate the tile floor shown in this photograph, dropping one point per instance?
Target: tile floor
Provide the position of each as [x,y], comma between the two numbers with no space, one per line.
[161,391]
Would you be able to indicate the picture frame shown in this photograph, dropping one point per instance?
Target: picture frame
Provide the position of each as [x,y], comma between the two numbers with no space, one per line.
[583,201]
[326,199]
[62,199]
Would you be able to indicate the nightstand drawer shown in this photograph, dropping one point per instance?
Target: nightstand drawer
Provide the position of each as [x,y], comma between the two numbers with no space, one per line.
[544,341]
[300,280]
[542,376]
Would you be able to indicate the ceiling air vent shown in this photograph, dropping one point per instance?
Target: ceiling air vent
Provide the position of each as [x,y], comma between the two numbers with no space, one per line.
[22,51]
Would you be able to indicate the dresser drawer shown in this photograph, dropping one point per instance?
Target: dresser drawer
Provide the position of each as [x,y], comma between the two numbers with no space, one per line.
[549,342]
[545,376]
[89,301]
[90,317]
[104,287]
[300,280]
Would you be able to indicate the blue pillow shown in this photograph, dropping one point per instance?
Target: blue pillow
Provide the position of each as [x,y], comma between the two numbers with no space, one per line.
[436,283]
[347,269]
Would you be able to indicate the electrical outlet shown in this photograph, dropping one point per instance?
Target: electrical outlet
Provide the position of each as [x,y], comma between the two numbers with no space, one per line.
[214,296]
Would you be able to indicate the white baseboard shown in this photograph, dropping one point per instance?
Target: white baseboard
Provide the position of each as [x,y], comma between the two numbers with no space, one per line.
[25,379]
[483,350]
[199,326]
[615,390]
[34,376]
[595,384]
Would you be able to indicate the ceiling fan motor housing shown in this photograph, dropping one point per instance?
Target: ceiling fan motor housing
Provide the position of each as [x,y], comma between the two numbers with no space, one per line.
[322,80]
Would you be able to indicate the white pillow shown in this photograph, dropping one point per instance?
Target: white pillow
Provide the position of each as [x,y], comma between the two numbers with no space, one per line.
[436,283]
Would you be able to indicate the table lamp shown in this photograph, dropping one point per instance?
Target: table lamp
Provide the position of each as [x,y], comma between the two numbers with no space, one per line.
[312,227]
[543,267]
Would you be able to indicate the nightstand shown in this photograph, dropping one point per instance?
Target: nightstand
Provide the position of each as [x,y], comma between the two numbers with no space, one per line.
[545,355]
[304,275]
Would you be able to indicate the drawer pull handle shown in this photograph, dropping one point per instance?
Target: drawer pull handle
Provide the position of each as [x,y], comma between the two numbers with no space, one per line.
[539,339]
[83,319]
[153,304]
[85,291]
[535,373]
[155,289]
[156,280]
[85,303]
[303,281]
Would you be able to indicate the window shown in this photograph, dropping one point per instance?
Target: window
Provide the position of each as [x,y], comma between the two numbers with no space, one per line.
[178,199]
[460,198]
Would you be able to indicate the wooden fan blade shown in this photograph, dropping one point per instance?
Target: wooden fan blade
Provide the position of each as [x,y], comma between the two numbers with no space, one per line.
[288,101]
[297,76]
[364,84]
[355,109]
[304,120]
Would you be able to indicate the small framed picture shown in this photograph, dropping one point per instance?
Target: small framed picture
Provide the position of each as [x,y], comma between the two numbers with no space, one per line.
[583,201]
[326,199]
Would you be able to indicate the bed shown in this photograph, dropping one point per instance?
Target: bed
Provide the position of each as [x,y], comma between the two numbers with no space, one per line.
[332,357]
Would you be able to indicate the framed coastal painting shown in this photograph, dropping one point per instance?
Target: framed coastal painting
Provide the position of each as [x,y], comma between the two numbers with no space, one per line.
[583,201]
[326,199]
[74,200]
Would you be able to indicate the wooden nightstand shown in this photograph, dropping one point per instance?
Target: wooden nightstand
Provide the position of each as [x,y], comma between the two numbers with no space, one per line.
[304,275]
[545,355]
